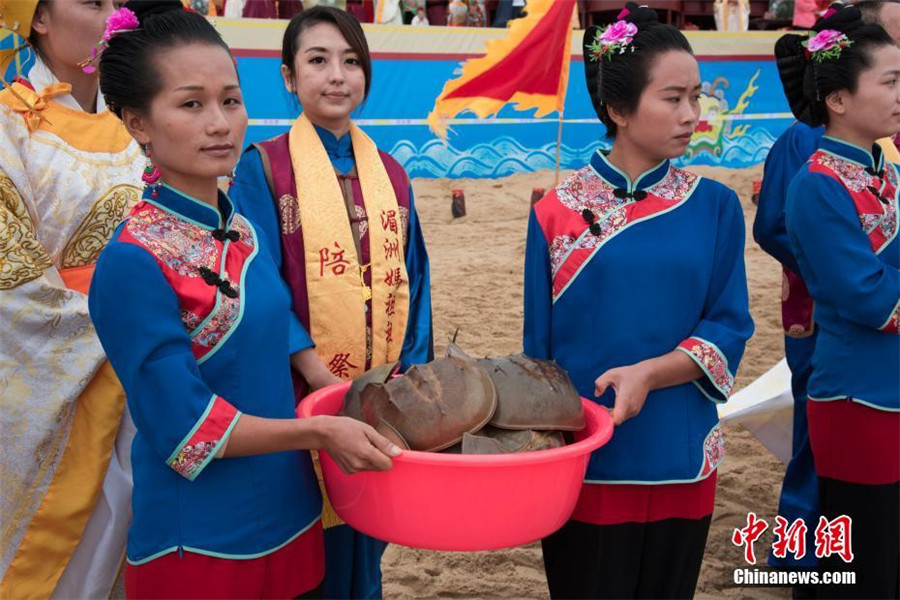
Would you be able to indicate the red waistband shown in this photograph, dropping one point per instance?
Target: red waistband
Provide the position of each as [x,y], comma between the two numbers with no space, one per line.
[853,442]
[288,572]
[611,504]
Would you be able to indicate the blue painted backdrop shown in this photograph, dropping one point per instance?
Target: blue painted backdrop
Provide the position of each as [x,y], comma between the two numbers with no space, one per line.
[744,111]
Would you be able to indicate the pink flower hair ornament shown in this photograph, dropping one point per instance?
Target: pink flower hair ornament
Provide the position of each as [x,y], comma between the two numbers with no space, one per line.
[614,39]
[826,45]
[118,22]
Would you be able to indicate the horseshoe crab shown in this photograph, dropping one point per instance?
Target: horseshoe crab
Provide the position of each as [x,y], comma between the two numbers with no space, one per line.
[353,401]
[430,407]
[491,440]
[533,394]
[459,404]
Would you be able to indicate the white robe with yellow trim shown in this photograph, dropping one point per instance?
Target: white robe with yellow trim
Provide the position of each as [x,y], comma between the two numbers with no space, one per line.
[66,181]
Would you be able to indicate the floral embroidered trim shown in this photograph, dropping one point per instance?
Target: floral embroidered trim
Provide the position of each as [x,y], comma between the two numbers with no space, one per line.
[713,451]
[853,176]
[890,173]
[201,444]
[885,222]
[219,324]
[714,446]
[603,230]
[239,224]
[877,217]
[584,190]
[191,320]
[675,185]
[227,313]
[189,251]
[888,222]
[892,325]
[869,221]
[180,245]
[614,39]
[826,45]
[712,361]
[559,250]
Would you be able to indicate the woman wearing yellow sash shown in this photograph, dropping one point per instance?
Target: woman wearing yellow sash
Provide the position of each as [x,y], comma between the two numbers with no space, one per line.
[352,251]
[68,174]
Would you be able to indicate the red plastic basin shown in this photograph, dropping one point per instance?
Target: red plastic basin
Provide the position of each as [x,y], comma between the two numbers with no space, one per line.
[461,502]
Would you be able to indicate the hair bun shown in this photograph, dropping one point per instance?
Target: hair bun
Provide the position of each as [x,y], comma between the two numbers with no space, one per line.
[640,14]
[793,66]
[148,8]
[840,18]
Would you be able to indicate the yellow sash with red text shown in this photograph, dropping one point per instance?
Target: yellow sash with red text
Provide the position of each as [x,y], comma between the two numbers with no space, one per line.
[336,288]
[337,292]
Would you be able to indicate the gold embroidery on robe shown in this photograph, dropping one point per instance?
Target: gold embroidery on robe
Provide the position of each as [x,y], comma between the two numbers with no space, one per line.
[24,259]
[62,184]
[97,228]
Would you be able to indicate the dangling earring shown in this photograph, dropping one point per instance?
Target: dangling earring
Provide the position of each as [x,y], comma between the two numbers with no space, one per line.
[231,178]
[151,175]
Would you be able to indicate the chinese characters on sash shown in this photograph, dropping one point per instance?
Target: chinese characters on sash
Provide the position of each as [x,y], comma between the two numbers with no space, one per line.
[393,276]
[340,365]
[333,260]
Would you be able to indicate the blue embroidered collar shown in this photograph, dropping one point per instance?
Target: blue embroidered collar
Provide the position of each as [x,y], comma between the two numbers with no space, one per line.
[872,161]
[340,151]
[618,179]
[192,210]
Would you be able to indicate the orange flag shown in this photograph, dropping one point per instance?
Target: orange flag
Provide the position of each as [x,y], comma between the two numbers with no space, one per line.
[530,67]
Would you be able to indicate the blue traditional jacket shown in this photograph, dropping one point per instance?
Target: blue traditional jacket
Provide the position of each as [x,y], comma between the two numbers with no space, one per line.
[842,223]
[788,155]
[661,268]
[196,321]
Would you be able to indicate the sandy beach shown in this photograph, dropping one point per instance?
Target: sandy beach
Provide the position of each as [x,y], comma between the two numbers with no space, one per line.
[476,264]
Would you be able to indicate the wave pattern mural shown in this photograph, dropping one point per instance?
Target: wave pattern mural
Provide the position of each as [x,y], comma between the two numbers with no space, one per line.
[497,158]
[506,155]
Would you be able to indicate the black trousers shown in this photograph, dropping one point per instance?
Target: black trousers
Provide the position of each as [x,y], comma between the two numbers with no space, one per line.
[875,537]
[632,560]
[313,594]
